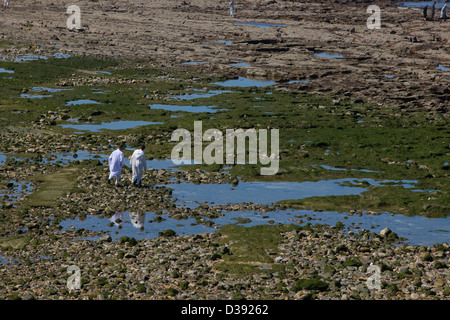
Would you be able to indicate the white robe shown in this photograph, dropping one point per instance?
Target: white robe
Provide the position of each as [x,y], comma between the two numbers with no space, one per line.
[138,165]
[116,217]
[115,162]
[138,219]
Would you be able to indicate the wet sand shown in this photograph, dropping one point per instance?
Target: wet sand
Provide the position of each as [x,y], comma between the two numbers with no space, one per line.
[176,32]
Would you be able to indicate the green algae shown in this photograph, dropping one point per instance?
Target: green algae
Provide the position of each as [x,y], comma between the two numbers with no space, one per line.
[250,248]
[53,187]
[317,132]
[14,242]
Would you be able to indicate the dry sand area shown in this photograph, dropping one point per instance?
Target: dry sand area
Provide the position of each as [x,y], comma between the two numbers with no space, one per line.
[172,32]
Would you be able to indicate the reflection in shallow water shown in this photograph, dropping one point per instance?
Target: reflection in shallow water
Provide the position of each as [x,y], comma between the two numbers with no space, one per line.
[417,230]
[4,259]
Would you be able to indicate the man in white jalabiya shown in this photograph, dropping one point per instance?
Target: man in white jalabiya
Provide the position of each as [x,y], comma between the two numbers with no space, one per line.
[444,12]
[115,162]
[138,219]
[138,166]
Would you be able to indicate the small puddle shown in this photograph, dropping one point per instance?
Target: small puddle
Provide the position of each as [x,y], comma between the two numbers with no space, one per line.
[261,24]
[441,67]
[68,157]
[420,4]
[271,192]
[343,169]
[200,94]
[245,82]
[116,125]
[99,91]
[224,42]
[29,57]
[193,63]
[144,225]
[13,191]
[8,260]
[139,225]
[34,96]
[46,89]
[81,102]
[298,81]
[329,55]
[196,109]
[59,55]
[389,76]
[104,72]
[240,64]
[2,70]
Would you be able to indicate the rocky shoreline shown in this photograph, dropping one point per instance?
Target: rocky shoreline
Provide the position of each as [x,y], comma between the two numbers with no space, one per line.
[51,175]
[319,262]
[174,32]
[311,262]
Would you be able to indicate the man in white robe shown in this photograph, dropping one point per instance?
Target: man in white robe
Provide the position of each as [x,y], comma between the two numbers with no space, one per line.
[138,219]
[115,162]
[444,12]
[231,9]
[138,165]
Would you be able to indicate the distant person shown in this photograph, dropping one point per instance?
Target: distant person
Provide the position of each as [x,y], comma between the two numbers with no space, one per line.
[425,12]
[433,7]
[138,166]
[6,4]
[231,9]
[444,13]
[115,162]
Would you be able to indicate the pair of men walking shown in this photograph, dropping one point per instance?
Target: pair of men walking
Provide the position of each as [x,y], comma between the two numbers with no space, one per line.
[137,161]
